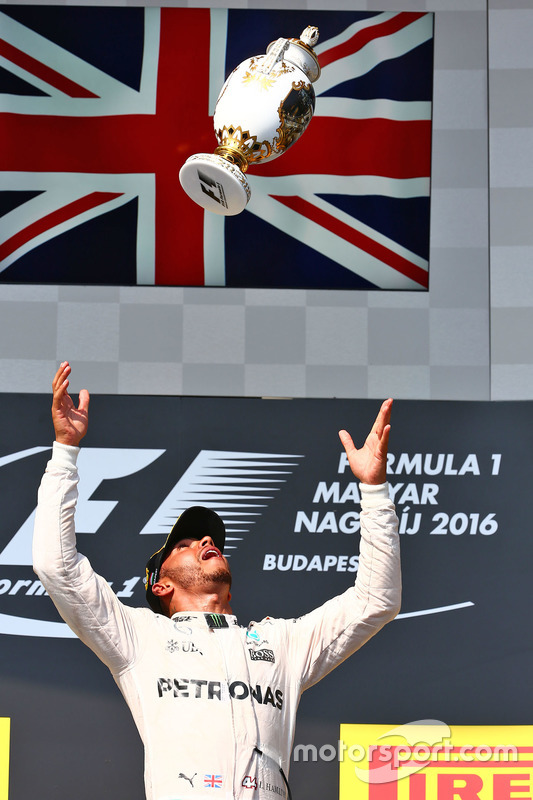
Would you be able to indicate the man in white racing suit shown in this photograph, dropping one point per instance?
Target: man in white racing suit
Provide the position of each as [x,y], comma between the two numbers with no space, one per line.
[215,703]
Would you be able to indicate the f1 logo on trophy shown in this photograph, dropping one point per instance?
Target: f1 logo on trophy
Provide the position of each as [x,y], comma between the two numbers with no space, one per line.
[264,107]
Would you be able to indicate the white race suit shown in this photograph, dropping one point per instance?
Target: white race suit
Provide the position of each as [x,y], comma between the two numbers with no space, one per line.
[215,706]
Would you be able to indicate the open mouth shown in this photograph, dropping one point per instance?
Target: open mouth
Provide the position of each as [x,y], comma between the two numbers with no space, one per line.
[211,552]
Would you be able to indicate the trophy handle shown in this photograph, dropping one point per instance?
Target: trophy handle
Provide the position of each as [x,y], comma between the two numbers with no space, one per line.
[275,54]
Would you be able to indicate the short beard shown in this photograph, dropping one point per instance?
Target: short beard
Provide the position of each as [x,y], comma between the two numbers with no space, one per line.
[192,577]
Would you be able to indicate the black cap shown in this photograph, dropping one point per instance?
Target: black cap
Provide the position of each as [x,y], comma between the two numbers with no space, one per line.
[194,523]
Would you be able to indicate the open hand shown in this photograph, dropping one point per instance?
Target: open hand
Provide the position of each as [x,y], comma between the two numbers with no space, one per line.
[369,463]
[70,423]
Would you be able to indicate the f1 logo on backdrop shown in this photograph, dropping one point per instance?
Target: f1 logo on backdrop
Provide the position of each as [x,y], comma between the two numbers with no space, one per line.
[237,485]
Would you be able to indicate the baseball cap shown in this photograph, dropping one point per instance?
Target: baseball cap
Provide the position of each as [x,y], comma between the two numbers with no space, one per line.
[194,523]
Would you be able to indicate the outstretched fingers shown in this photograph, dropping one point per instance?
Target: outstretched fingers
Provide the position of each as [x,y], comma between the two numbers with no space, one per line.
[383,418]
[60,382]
[346,440]
[83,404]
[383,442]
[369,462]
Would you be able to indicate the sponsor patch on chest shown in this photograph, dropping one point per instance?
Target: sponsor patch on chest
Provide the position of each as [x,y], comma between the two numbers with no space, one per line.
[256,648]
[202,689]
[262,655]
[175,646]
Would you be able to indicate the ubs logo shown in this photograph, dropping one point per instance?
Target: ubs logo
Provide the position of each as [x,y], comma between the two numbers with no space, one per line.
[182,647]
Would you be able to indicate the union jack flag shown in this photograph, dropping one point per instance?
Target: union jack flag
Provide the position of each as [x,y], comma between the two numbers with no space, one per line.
[100,107]
[213,781]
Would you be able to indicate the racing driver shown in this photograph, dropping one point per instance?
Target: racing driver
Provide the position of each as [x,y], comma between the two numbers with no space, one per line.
[214,702]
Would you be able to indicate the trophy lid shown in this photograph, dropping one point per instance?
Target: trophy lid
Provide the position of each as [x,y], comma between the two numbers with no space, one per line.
[215,184]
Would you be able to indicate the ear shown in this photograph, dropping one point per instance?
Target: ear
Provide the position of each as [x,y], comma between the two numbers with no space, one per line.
[161,589]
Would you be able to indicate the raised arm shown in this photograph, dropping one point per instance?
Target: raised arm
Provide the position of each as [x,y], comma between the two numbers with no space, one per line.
[322,639]
[84,599]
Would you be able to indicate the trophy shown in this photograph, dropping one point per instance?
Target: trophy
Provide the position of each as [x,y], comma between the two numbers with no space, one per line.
[263,108]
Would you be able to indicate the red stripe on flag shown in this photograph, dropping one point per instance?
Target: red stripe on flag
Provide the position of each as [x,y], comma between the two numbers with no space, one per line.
[40,70]
[363,37]
[126,143]
[338,146]
[183,119]
[54,218]
[360,240]
[102,144]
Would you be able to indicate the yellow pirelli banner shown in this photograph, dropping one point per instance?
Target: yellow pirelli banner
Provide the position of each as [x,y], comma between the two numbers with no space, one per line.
[4,758]
[429,760]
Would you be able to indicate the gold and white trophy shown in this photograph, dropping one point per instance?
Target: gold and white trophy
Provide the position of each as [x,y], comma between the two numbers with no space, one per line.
[264,107]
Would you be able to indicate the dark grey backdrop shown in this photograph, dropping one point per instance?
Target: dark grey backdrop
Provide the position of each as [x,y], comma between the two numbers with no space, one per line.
[72,735]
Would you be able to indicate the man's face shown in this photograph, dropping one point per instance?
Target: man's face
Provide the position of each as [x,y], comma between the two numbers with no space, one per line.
[196,563]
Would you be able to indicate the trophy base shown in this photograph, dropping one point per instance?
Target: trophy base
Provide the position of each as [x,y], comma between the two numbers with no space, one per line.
[215,184]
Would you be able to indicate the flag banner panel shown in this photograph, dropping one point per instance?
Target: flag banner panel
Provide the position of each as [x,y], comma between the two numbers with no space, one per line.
[101,106]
